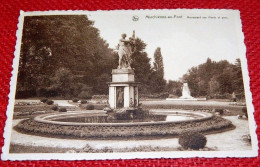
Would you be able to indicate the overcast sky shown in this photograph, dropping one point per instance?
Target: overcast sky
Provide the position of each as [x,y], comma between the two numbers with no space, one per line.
[185,42]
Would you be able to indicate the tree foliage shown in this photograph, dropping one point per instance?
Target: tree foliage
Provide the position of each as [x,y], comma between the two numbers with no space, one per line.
[50,43]
[158,62]
[141,65]
[215,78]
[157,81]
[65,56]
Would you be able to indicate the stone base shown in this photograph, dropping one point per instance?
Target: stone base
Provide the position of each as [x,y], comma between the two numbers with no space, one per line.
[123,90]
[123,75]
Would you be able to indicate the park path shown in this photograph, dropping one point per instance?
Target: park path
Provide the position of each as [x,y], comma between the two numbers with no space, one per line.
[226,141]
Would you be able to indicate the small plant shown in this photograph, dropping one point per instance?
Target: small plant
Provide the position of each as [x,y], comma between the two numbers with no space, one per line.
[90,107]
[75,100]
[83,101]
[244,110]
[62,109]
[50,102]
[220,111]
[54,108]
[193,140]
[44,100]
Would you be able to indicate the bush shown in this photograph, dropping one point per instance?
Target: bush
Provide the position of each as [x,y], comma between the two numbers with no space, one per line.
[54,108]
[90,107]
[83,101]
[50,102]
[244,110]
[44,100]
[193,140]
[121,114]
[75,100]
[220,111]
[63,110]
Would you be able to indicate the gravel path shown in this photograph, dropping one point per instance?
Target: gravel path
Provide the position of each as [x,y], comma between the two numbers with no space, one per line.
[230,140]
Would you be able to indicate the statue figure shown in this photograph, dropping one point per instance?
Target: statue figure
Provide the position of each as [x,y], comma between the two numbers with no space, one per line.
[125,50]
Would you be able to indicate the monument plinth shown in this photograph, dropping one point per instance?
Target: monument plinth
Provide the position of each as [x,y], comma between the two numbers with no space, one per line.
[123,90]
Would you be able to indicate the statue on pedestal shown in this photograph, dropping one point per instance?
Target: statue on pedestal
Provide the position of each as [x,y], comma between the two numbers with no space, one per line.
[125,50]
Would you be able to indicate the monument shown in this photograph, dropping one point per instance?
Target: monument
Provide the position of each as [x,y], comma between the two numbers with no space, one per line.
[186,95]
[123,90]
[186,92]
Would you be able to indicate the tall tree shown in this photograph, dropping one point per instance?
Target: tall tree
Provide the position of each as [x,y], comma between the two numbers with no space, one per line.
[141,65]
[158,62]
[157,81]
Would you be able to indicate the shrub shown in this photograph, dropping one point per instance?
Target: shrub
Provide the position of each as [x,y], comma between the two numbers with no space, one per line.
[83,101]
[44,100]
[62,109]
[244,110]
[50,102]
[193,140]
[90,107]
[75,100]
[54,108]
[141,114]
[220,111]
[121,114]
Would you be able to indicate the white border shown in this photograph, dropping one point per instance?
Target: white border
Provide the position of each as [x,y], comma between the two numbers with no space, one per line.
[101,156]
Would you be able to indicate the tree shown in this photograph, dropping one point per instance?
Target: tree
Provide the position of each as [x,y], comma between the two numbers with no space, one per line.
[157,81]
[174,88]
[62,41]
[214,86]
[238,83]
[63,82]
[192,78]
[215,78]
[141,65]
[158,62]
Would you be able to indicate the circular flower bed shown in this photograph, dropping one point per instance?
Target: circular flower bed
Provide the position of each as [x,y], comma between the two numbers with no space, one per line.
[104,130]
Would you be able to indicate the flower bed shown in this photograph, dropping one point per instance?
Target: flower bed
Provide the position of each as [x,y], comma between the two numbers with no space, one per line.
[105,131]
[95,106]
[31,110]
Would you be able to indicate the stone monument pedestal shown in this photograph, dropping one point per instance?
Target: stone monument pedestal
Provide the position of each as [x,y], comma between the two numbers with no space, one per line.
[123,90]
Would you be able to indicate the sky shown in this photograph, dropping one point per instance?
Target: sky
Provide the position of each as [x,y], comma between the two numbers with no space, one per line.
[186,38]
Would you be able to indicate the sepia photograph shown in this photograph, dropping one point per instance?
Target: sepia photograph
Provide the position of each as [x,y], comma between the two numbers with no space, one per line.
[130,84]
